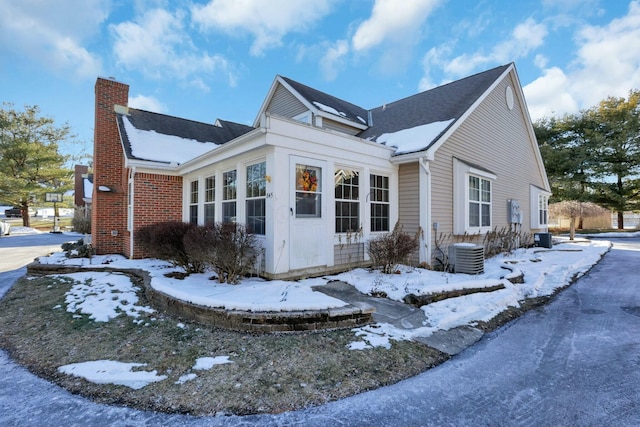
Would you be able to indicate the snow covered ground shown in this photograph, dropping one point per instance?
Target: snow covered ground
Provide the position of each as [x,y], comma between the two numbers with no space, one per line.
[104,295]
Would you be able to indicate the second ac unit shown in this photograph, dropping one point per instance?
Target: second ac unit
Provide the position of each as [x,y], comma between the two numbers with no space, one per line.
[466,258]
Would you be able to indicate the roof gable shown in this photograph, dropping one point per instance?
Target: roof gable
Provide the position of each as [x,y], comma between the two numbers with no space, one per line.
[431,112]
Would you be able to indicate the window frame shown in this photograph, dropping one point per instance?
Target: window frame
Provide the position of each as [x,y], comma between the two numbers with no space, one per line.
[257,198]
[461,172]
[302,193]
[194,188]
[209,199]
[379,192]
[538,196]
[229,196]
[347,200]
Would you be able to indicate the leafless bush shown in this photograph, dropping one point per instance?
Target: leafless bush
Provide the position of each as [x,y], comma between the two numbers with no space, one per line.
[81,220]
[228,248]
[390,250]
[165,240]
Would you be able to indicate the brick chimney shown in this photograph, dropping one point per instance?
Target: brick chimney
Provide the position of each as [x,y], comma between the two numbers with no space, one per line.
[109,210]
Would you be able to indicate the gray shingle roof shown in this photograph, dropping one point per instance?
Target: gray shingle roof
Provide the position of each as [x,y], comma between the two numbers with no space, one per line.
[350,111]
[183,128]
[446,102]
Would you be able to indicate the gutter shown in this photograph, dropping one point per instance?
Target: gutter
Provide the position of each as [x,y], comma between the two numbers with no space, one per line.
[424,163]
[131,194]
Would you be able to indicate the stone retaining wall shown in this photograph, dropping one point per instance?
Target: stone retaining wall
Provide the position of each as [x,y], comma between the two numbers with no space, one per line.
[250,321]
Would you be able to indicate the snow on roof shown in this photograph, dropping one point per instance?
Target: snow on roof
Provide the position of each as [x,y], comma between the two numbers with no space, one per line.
[329,109]
[415,138]
[157,147]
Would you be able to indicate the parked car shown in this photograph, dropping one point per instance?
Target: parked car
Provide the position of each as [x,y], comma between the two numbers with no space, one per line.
[17,212]
[5,228]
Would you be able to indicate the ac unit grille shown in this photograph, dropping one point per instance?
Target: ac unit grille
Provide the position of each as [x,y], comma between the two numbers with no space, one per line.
[465,258]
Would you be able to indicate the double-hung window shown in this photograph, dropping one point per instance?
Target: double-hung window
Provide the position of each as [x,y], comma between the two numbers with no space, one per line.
[193,202]
[347,197]
[379,194]
[256,197]
[229,195]
[209,199]
[479,202]
[539,207]
[472,198]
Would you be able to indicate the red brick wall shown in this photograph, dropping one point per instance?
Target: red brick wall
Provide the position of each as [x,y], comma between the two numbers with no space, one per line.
[157,198]
[109,211]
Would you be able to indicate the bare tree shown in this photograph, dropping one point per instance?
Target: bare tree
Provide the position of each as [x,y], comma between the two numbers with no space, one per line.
[575,211]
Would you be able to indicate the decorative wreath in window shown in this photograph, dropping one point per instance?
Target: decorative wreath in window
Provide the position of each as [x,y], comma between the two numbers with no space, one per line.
[307,180]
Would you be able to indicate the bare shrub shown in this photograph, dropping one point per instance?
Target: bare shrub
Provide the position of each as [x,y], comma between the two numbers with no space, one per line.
[235,252]
[81,220]
[164,240]
[390,250]
[229,249]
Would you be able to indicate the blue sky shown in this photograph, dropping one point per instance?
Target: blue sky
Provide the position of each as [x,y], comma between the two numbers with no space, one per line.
[208,59]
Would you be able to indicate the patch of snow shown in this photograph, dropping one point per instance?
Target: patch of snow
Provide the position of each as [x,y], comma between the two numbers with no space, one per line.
[112,372]
[329,109]
[415,138]
[103,296]
[206,363]
[157,147]
[186,377]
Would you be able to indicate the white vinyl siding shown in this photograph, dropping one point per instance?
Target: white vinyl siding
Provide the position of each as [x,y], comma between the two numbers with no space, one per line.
[285,104]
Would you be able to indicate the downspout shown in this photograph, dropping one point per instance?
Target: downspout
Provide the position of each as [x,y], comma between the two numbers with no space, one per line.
[424,163]
[132,174]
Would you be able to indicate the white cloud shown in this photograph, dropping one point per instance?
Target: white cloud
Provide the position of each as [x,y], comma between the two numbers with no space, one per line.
[157,45]
[48,33]
[394,20]
[333,58]
[148,103]
[606,64]
[548,95]
[268,23]
[524,38]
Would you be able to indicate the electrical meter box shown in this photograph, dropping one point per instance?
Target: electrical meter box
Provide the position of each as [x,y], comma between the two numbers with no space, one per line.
[514,216]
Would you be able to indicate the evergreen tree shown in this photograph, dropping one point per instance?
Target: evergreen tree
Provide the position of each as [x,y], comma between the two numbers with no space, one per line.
[615,136]
[30,161]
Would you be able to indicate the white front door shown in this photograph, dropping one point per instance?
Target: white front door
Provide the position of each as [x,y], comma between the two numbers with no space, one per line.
[308,216]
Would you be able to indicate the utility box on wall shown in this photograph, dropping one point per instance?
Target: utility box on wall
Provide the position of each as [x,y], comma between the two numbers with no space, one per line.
[514,216]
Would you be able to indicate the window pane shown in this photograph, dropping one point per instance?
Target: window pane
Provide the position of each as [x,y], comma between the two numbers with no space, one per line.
[209,213]
[210,189]
[256,180]
[474,215]
[193,214]
[474,188]
[347,216]
[308,178]
[486,190]
[229,185]
[229,212]
[256,216]
[308,205]
[486,215]
[194,191]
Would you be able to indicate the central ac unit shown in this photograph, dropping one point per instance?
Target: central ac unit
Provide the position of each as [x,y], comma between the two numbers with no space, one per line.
[466,258]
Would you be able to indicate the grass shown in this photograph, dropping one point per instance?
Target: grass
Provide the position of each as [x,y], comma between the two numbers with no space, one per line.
[269,373]
[42,224]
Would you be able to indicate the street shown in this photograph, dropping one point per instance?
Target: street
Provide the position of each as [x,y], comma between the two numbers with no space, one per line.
[575,361]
